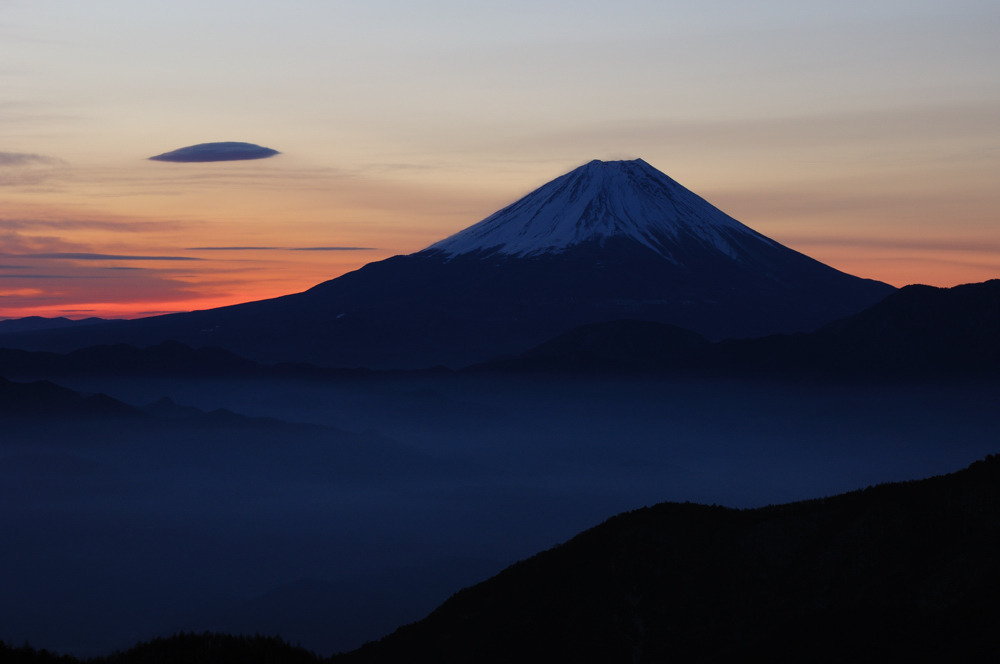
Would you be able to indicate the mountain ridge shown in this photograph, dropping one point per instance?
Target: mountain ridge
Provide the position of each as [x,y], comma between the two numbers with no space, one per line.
[918,331]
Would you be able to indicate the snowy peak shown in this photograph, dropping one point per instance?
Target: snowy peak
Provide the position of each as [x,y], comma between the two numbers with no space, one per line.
[598,201]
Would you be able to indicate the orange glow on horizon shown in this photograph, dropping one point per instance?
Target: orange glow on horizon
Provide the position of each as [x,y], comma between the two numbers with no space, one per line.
[937,269]
[239,236]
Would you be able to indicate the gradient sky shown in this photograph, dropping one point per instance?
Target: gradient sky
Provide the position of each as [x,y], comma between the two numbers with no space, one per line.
[865,134]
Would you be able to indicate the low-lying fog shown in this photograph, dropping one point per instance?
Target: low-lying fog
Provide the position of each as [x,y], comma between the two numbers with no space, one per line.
[118,531]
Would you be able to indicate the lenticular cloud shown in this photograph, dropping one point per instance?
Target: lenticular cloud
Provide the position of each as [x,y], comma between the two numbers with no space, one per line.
[226,151]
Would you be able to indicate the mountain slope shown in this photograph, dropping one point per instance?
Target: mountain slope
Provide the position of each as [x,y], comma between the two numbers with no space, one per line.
[902,572]
[621,346]
[610,240]
[48,401]
[31,323]
[600,201]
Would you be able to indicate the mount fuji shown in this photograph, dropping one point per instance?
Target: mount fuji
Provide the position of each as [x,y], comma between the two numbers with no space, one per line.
[603,201]
[606,241]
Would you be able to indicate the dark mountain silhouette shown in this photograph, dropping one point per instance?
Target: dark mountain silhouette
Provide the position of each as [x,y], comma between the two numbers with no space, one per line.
[42,410]
[32,323]
[935,329]
[916,331]
[919,331]
[168,358]
[902,572]
[202,648]
[612,346]
[48,400]
[607,241]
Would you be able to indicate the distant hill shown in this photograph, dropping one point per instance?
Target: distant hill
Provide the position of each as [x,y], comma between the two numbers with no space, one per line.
[42,409]
[35,323]
[900,572]
[916,331]
[165,359]
[48,400]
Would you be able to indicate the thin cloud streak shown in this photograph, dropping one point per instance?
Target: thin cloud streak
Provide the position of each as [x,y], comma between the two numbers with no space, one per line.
[233,248]
[123,226]
[26,159]
[897,243]
[23,168]
[872,127]
[333,249]
[100,257]
[53,276]
[281,249]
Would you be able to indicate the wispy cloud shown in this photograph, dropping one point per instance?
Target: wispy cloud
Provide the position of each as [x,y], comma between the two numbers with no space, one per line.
[234,248]
[24,168]
[15,244]
[936,244]
[25,159]
[83,223]
[333,249]
[20,292]
[874,127]
[52,276]
[84,256]
[281,249]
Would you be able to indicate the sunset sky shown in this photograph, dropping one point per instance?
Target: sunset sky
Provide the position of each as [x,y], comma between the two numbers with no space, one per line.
[865,134]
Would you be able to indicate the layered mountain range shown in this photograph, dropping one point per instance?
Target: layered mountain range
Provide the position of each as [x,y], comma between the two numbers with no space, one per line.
[606,241]
[918,331]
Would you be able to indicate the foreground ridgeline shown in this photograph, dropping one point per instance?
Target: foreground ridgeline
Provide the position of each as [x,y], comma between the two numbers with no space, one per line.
[203,648]
[898,572]
[902,572]
[607,241]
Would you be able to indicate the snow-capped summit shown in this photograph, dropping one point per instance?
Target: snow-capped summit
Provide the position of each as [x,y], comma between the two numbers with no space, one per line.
[599,200]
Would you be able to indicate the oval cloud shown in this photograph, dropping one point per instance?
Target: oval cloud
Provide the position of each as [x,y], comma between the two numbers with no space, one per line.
[225,151]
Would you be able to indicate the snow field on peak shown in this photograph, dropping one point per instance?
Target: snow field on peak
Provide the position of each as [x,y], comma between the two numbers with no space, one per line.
[597,201]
